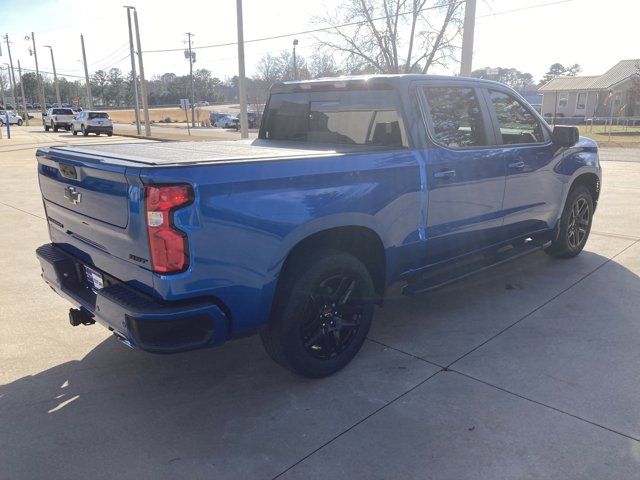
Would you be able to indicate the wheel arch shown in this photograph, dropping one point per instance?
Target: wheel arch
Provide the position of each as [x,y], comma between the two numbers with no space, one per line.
[589,180]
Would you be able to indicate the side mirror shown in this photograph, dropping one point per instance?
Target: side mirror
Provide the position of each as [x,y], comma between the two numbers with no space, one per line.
[565,136]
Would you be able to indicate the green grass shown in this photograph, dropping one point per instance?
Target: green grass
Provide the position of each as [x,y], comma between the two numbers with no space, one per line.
[620,136]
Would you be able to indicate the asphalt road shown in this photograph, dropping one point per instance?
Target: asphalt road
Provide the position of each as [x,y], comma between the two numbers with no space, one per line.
[530,370]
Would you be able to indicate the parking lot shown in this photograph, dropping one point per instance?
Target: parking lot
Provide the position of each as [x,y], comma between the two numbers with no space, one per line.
[530,370]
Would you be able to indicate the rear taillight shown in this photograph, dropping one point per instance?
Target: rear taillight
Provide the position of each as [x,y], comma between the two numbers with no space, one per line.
[168,245]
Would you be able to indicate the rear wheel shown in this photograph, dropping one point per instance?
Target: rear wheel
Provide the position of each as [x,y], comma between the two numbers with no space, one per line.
[73,130]
[84,131]
[46,128]
[19,123]
[575,224]
[322,314]
[54,127]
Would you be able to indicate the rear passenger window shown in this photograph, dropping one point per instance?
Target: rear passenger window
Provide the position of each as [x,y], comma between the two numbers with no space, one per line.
[336,118]
[517,124]
[456,117]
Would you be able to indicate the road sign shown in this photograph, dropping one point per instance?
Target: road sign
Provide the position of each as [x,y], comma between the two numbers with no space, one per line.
[184,103]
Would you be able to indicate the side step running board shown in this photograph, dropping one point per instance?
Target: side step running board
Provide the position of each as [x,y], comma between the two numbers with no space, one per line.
[444,276]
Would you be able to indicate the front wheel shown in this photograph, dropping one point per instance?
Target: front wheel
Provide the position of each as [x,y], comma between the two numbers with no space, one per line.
[84,131]
[575,224]
[73,130]
[46,128]
[322,314]
[54,126]
[19,123]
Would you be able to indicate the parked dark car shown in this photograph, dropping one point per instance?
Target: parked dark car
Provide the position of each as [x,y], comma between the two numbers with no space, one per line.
[352,185]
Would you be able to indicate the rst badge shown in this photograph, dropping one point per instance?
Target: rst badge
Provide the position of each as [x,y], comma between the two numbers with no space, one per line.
[71,194]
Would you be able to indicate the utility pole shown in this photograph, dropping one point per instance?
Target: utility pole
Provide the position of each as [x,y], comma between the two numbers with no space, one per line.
[467,38]
[55,74]
[86,77]
[295,63]
[143,86]
[242,84]
[13,90]
[134,76]
[12,77]
[41,98]
[193,115]
[24,100]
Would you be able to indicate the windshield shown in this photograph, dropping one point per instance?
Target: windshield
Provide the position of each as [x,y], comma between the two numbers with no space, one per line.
[351,118]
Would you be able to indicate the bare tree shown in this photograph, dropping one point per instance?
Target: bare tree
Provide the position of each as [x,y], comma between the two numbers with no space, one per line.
[394,36]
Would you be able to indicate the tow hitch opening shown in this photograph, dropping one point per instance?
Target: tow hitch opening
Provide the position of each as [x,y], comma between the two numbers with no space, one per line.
[80,317]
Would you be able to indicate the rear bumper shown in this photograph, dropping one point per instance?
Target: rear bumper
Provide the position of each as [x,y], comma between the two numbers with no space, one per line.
[98,129]
[140,320]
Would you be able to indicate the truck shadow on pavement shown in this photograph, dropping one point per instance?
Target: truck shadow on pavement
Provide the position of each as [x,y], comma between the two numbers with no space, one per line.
[230,411]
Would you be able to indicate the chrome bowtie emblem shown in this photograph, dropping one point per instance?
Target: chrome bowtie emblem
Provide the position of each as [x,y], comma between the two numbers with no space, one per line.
[71,194]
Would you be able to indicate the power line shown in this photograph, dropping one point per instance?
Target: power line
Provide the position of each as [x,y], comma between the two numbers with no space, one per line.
[530,7]
[315,30]
[112,54]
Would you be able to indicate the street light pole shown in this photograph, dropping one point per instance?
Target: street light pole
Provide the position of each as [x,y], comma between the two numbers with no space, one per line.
[39,80]
[467,38]
[193,115]
[86,75]
[242,81]
[55,74]
[134,76]
[24,100]
[143,86]
[295,63]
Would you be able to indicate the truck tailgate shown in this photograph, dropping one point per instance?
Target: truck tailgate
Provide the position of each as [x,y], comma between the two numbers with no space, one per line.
[98,191]
[95,209]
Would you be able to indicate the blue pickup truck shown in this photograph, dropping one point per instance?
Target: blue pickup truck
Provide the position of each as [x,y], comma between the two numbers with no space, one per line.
[352,184]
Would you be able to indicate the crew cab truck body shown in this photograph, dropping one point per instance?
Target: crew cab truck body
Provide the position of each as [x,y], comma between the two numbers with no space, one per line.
[57,117]
[353,184]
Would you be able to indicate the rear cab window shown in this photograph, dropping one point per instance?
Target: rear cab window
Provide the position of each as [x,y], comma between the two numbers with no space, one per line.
[93,115]
[361,117]
[62,111]
[456,119]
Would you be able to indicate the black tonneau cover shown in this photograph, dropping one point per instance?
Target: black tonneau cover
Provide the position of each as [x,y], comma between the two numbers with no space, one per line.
[188,153]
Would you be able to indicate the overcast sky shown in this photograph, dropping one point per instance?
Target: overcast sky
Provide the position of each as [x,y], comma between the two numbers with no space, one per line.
[594,33]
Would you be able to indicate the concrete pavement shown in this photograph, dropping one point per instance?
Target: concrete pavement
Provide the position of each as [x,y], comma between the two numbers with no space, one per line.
[529,370]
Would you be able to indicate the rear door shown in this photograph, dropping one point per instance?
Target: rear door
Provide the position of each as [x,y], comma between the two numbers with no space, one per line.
[533,190]
[465,173]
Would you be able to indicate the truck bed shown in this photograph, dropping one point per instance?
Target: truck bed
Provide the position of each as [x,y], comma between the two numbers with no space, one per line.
[189,153]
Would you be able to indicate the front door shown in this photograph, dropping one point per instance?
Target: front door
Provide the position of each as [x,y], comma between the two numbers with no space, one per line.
[465,173]
[533,190]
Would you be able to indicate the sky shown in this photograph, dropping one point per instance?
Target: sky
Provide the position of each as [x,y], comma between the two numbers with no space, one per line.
[528,35]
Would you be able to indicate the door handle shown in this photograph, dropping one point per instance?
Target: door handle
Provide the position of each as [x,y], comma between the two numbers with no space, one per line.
[517,165]
[445,174]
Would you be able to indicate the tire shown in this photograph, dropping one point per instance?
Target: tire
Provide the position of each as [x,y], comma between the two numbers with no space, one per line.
[321,315]
[73,130]
[84,131]
[97,134]
[19,123]
[54,126]
[575,224]
[109,134]
[46,128]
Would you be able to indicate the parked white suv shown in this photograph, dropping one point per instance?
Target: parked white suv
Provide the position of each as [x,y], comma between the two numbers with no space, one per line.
[14,118]
[88,122]
[56,118]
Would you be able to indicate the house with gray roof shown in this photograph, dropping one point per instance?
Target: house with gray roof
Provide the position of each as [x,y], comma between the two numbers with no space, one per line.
[615,93]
